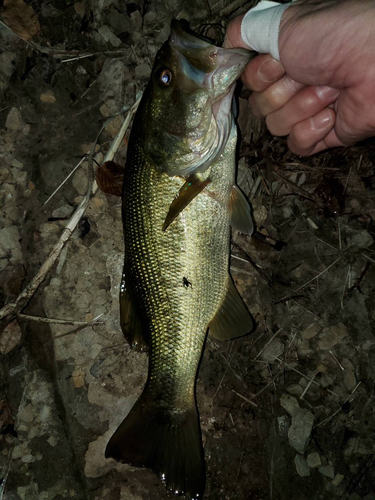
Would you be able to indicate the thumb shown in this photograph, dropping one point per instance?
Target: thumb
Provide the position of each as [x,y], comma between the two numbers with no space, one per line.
[258,29]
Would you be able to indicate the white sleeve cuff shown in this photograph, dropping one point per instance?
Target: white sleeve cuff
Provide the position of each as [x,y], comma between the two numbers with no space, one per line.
[260,27]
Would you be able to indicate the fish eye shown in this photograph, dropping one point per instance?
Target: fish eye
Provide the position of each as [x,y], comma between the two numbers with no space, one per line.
[165,78]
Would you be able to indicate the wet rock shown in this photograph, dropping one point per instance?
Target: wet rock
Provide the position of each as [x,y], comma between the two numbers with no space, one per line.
[10,337]
[338,480]
[362,239]
[10,243]
[78,377]
[283,424]
[273,350]
[80,181]
[109,36]
[302,468]
[300,430]
[327,341]
[311,331]
[49,10]
[350,380]
[48,97]
[7,66]
[290,404]
[260,215]
[313,460]
[63,211]
[114,125]
[119,22]
[137,20]
[142,72]
[339,331]
[14,120]
[295,389]
[327,471]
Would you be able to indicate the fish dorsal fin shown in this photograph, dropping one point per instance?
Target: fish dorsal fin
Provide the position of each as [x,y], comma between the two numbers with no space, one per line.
[192,187]
[233,318]
[131,324]
[110,177]
[239,212]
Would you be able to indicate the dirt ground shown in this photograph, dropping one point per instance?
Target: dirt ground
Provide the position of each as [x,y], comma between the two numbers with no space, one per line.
[287,412]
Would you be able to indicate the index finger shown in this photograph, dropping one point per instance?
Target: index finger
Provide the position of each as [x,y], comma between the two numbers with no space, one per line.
[262,72]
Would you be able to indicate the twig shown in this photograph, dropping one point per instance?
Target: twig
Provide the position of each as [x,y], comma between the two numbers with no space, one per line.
[347,277]
[23,298]
[299,190]
[250,261]
[305,376]
[359,280]
[317,276]
[369,258]
[56,321]
[245,399]
[337,361]
[307,388]
[264,347]
[64,181]
[224,374]
[347,180]
[339,409]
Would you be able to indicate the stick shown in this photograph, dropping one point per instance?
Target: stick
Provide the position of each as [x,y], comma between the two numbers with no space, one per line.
[56,321]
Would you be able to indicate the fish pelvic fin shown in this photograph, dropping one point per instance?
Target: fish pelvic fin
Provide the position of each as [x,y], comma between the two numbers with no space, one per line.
[240,212]
[168,442]
[192,187]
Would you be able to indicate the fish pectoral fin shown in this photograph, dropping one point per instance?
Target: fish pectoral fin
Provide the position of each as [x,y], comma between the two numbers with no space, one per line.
[110,177]
[166,441]
[239,212]
[233,318]
[131,324]
[192,187]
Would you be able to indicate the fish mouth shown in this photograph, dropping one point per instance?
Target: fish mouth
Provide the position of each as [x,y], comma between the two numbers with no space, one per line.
[222,67]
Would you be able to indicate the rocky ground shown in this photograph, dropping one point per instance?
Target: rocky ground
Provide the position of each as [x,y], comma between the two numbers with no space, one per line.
[287,412]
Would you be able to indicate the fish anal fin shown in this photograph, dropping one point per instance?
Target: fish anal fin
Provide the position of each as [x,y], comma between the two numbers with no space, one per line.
[131,324]
[233,318]
[167,442]
[192,187]
[110,177]
[239,212]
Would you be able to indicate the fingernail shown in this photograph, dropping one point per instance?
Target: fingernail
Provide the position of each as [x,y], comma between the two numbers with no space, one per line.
[271,70]
[292,84]
[325,93]
[320,122]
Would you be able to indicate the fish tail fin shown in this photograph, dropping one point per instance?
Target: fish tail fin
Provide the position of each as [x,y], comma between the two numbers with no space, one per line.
[168,442]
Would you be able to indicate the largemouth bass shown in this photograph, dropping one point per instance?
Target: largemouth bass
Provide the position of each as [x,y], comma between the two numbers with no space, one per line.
[179,201]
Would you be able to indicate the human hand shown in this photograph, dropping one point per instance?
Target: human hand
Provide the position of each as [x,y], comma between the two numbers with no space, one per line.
[322,93]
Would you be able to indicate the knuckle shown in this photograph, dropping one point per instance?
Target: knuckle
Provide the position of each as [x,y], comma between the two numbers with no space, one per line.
[302,136]
[275,127]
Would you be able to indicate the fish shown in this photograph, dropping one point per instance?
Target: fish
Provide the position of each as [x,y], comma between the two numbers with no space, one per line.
[180,200]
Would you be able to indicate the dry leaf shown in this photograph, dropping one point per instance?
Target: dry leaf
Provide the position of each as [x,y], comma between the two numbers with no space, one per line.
[21,19]
[10,337]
